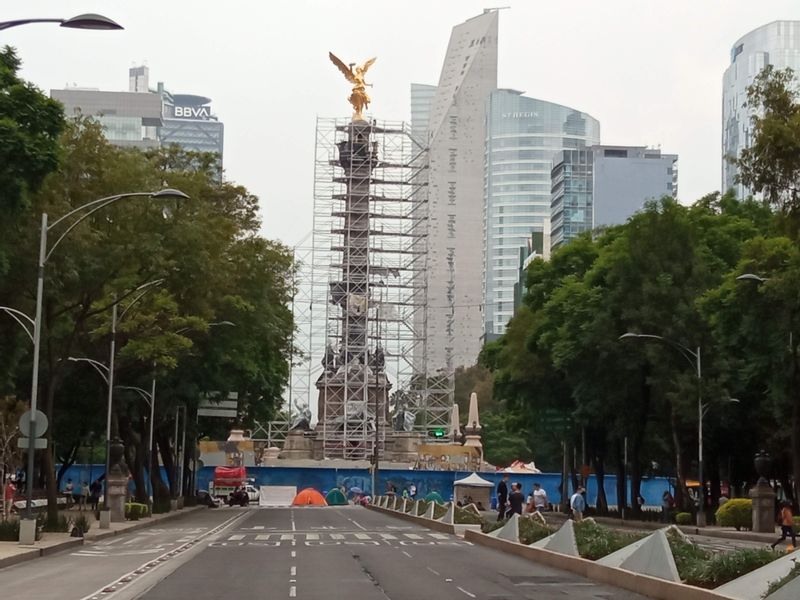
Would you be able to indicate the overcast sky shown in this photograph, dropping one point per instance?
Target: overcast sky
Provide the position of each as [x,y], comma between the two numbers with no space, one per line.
[649,71]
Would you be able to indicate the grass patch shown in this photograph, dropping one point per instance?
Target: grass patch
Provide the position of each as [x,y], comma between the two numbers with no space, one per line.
[490,526]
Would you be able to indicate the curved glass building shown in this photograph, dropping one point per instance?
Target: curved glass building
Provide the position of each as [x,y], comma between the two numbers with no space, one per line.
[523,135]
[778,44]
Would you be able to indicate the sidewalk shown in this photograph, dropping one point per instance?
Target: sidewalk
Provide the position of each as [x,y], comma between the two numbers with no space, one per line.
[12,553]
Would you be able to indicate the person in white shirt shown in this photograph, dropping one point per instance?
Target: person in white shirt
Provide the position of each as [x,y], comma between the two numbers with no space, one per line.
[578,504]
[539,498]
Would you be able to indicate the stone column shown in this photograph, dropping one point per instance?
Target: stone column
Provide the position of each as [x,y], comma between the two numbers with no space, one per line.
[763,497]
[117,482]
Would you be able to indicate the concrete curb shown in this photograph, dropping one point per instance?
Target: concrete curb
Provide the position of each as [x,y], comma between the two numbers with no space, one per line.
[436,525]
[652,587]
[34,552]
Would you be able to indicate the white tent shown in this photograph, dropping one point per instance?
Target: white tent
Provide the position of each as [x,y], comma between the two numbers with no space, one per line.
[475,487]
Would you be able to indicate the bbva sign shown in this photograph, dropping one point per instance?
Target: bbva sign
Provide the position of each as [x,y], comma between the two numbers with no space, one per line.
[192,112]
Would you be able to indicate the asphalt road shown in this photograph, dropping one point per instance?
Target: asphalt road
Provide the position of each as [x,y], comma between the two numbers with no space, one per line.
[308,553]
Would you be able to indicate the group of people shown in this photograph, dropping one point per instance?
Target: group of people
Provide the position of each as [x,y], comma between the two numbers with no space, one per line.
[86,494]
[514,501]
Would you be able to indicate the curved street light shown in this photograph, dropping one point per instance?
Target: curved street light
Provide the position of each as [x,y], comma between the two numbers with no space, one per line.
[85,21]
[693,358]
[752,277]
[80,213]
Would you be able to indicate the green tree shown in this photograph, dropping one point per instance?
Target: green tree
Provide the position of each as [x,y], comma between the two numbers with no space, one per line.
[771,164]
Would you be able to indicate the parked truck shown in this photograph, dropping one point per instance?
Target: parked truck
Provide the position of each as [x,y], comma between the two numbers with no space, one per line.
[229,479]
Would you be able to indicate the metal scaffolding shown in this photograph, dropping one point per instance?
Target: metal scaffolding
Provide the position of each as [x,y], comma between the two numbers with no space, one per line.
[361,294]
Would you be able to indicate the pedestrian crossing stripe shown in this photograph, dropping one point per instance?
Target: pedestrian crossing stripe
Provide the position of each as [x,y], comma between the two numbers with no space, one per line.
[314,537]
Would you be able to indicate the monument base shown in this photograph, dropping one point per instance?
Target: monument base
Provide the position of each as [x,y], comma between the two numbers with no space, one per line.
[403,446]
[763,497]
[117,494]
[298,445]
[105,519]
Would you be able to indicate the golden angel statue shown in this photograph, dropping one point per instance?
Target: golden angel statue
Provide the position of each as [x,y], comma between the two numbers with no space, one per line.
[358,97]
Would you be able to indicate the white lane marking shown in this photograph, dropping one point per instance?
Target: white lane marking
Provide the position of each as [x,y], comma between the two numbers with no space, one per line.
[439,536]
[413,536]
[293,571]
[357,525]
[138,538]
[235,538]
[291,512]
[388,536]
[407,554]
[262,537]
[294,554]
[470,594]
[287,536]
[337,536]
[292,592]
[363,536]
[109,590]
[312,536]
[435,572]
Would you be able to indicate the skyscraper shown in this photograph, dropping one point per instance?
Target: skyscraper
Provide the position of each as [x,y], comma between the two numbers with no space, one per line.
[146,118]
[523,136]
[778,44]
[604,185]
[456,136]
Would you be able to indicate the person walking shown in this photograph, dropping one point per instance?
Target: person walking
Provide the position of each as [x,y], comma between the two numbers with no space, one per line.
[515,499]
[9,491]
[578,504]
[667,503]
[95,491]
[69,491]
[539,498]
[412,491]
[84,495]
[786,521]
[502,498]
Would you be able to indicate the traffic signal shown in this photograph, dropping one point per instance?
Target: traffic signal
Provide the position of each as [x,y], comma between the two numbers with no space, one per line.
[438,433]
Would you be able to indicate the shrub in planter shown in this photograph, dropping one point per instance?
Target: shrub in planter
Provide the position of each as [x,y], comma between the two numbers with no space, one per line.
[531,531]
[737,513]
[9,531]
[466,517]
[595,541]
[683,518]
[727,566]
[135,511]
[61,524]
[439,510]
[490,526]
[80,525]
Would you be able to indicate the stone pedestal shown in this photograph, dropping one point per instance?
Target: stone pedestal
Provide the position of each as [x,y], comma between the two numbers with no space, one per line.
[763,497]
[298,445]
[403,446]
[117,493]
[27,532]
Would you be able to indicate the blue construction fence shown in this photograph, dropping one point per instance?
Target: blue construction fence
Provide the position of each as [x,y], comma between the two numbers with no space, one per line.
[324,478]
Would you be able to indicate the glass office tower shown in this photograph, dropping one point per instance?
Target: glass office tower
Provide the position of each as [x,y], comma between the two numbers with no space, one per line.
[777,44]
[523,135]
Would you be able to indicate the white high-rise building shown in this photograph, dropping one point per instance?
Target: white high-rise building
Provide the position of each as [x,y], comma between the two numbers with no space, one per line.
[777,44]
[456,138]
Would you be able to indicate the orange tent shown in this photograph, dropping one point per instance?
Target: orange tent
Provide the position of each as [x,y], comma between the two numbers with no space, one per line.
[309,497]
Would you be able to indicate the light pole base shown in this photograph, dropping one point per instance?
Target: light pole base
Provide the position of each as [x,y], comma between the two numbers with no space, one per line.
[105,519]
[27,532]
[701,518]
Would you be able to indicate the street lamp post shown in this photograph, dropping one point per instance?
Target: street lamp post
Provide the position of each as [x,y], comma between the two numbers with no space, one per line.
[693,357]
[86,21]
[44,254]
